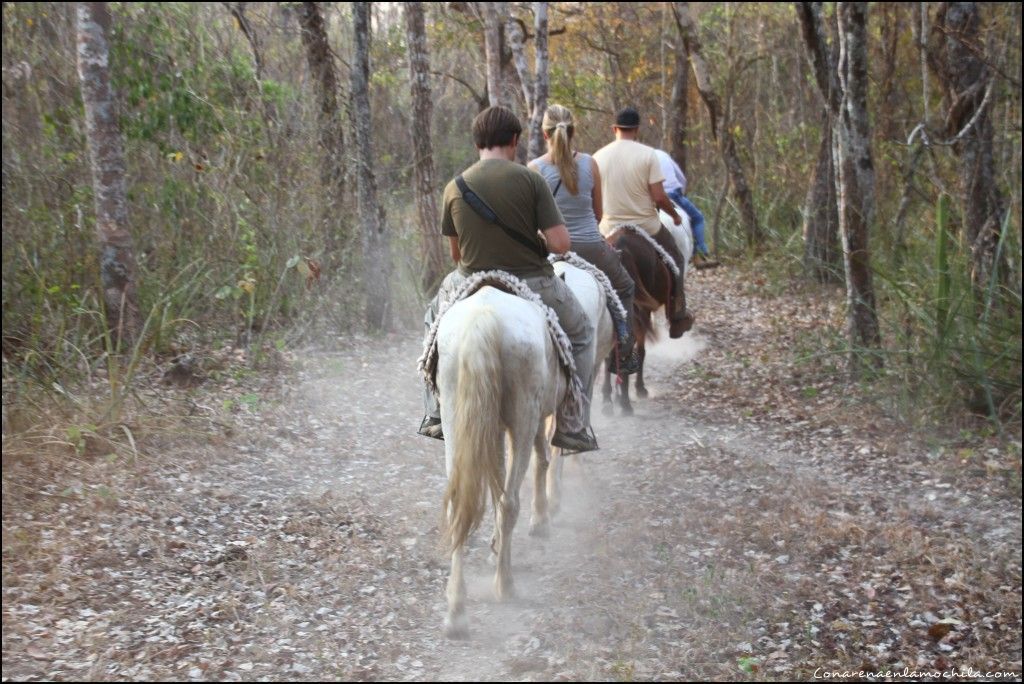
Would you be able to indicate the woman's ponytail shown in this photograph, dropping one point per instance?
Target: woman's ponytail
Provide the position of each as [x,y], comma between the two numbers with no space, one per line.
[558,124]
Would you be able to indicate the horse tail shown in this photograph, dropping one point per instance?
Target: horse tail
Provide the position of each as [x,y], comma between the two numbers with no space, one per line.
[643,298]
[477,435]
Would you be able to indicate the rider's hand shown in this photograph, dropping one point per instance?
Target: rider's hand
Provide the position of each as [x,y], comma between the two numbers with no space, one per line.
[676,219]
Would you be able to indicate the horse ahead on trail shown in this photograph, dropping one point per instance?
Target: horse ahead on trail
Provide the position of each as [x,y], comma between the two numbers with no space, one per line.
[593,298]
[652,277]
[499,373]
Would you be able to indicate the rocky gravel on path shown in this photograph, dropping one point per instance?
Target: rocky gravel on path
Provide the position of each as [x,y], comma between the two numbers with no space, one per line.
[751,521]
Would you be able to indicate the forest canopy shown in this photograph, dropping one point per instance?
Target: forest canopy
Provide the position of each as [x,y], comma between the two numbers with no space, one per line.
[277,188]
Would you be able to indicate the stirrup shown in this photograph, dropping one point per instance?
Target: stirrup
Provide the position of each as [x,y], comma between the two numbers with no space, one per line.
[575,442]
[431,427]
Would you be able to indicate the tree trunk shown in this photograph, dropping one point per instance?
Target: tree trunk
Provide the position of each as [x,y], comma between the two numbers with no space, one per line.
[434,267]
[494,14]
[376,257]
[534,85]
[855,175]
[726,139]
[889,97]
[540,89]
[332,132]
[106,157]
[680,104]
[958,56]
[821,215]
[237,10]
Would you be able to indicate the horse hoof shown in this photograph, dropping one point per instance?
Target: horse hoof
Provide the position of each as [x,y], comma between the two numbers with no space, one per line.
[457,628]
[627,410]
[504,591]
[540,530]
[642,392]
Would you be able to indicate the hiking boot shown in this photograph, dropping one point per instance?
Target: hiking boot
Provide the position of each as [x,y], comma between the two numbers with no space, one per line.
[575,442]
[680,325]
[630,363]
[431,427]
[702,261]
[625,364]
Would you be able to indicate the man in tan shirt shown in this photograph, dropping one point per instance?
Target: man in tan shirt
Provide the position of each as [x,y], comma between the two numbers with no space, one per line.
[632,191]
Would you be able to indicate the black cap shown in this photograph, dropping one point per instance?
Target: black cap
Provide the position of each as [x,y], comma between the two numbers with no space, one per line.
[627,118]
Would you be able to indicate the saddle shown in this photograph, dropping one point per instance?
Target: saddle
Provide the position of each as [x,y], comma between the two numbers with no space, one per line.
[572,409]
[615,308]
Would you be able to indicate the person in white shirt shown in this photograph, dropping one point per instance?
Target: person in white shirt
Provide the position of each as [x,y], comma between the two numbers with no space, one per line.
[675,188]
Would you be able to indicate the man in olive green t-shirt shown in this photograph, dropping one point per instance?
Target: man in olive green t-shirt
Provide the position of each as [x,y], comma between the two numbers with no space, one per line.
[517,195]
[523,202]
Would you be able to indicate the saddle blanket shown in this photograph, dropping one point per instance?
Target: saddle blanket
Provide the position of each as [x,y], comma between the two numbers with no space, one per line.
[571,410]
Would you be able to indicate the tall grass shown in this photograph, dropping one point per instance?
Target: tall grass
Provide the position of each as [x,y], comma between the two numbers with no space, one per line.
[950,345]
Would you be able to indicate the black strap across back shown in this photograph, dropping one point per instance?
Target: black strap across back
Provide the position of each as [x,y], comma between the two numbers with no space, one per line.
[486,213]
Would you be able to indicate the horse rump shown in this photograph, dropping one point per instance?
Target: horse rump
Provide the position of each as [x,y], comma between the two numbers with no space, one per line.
[477,431]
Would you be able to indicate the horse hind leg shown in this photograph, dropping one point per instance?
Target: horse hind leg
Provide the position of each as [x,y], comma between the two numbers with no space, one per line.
[641,388]
[508,509]
[542,471]
[607,407]
[456,622]
[624,404]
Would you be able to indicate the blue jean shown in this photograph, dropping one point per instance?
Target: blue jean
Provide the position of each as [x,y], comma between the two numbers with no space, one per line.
[696,220]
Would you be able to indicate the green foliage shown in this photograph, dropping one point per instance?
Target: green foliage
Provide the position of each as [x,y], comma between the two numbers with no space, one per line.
[952,345]
[159,86]
[229,215]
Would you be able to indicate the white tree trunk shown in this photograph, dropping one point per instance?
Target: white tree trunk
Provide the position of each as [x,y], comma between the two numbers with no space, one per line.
[855,178]
[106,156]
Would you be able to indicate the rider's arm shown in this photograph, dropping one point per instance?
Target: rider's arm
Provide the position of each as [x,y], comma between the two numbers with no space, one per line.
[596,172]
[453,246]
[662,201]
[557,239]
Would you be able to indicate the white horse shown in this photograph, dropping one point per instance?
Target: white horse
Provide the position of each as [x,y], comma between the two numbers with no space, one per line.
[498,372]
[682,233]
[594,301]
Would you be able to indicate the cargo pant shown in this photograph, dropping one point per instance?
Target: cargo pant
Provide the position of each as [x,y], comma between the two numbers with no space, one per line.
[606,258]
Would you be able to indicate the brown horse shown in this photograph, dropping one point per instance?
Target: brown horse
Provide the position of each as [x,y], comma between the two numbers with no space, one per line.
[653,282]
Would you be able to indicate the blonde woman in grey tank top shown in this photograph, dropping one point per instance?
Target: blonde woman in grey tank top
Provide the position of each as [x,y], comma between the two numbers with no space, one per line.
[575,181]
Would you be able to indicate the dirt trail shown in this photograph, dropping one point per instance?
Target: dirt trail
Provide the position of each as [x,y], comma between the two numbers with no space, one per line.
[306,549]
